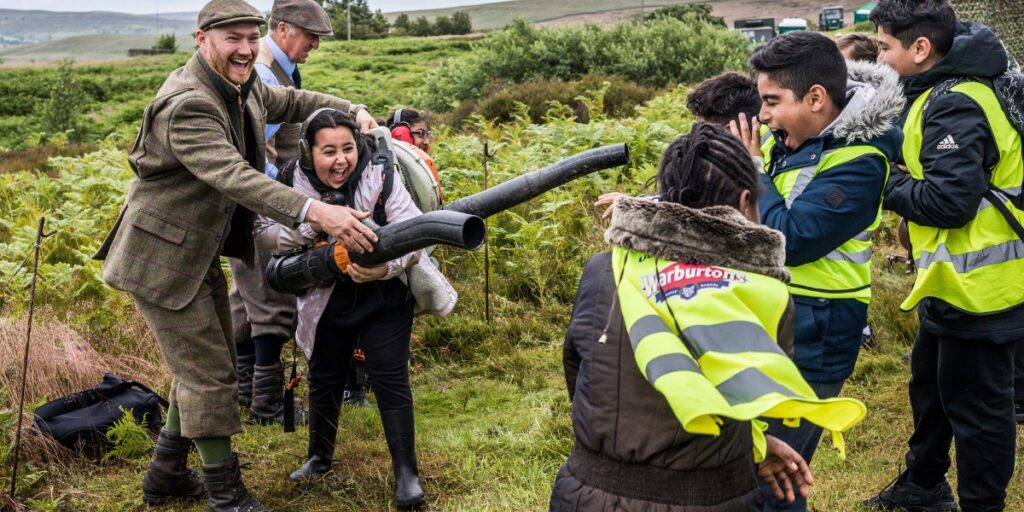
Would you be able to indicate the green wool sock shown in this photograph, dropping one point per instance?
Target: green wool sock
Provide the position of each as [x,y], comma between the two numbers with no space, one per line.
[213,450]
[173,423]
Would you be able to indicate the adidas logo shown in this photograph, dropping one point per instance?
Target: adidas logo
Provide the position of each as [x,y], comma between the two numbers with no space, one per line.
[948,143]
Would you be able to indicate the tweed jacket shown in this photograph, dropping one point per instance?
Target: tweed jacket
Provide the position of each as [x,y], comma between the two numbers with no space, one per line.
[190,175]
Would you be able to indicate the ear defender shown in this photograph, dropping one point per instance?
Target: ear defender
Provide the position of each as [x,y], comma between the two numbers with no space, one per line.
[306,152]
[402,133]
[400,130]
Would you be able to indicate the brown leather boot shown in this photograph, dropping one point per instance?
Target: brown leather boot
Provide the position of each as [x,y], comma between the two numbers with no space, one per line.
[227,492]
[169,477]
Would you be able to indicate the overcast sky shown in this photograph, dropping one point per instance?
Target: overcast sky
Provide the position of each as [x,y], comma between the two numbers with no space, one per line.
[151,6]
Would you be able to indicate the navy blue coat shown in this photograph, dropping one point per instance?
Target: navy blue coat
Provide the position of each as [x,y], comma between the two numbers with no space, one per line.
[838,204]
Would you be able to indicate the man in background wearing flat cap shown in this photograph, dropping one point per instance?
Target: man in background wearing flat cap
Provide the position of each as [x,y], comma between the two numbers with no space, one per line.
[263,319]
[198,163]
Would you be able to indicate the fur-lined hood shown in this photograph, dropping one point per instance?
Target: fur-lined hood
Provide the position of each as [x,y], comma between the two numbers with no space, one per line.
[874,100]
[718,235]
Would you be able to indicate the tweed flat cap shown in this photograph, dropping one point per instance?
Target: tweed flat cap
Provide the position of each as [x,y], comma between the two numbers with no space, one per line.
[218,13]
[305,14]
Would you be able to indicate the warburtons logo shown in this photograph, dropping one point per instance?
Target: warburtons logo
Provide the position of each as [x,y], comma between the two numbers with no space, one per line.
[685,281]
[948,143]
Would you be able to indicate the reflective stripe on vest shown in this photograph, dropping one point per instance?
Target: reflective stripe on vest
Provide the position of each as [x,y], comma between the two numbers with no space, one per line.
[705,338]
[767,143]
[844,273]
[977,267]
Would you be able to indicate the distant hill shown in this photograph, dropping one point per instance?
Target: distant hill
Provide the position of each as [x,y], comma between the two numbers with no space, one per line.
[497,15]
[547,12]
[89,48]
[46,26]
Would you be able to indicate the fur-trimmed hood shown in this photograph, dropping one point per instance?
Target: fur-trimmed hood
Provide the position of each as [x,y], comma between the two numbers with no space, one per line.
[718,235]
[874,99]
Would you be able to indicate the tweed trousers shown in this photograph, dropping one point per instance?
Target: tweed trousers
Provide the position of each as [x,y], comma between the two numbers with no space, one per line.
[256,309]
[197,348]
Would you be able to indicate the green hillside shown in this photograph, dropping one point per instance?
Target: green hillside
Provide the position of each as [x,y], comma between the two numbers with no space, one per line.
[497,15]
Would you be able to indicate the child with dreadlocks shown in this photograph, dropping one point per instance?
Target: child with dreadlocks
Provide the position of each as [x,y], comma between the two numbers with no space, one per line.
[677,344]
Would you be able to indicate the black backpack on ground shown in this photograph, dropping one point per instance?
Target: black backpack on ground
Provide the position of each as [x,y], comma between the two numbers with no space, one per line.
[82,419]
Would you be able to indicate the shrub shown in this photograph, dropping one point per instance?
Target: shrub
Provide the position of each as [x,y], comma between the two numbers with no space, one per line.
[401,24]
[461,23]
[167,42]
[663,51]
[701,11]
[620,99]
[421,27]
[864,26]
[62,109]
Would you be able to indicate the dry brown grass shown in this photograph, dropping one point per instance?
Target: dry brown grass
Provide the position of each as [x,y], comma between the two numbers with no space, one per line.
[61,361]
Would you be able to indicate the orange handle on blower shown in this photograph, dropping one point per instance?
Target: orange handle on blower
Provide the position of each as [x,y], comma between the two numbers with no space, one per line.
[341,258]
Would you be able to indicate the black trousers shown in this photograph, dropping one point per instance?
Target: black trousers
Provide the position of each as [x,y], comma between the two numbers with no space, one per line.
[962,391]
[1018,372]
[383,333]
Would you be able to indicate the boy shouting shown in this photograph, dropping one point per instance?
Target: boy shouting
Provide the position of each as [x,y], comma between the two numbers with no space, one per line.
[827,159]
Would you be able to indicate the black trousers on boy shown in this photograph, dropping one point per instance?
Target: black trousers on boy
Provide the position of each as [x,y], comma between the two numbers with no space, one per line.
[961,391]
[1018,372]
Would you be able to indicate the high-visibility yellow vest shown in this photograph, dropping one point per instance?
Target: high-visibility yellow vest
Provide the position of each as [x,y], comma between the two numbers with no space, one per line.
[844,273]
[976,268]
[706,338]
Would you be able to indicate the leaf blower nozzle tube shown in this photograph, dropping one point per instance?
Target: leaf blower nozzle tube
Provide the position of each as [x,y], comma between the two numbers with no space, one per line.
[456,229]
[459,224]
[532,184]
[323,265]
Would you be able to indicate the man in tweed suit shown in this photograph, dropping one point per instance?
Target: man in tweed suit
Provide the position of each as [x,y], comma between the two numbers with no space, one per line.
[198,161]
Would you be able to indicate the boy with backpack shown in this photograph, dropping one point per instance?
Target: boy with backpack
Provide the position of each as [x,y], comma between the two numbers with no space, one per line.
[827,158]
[962,168]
